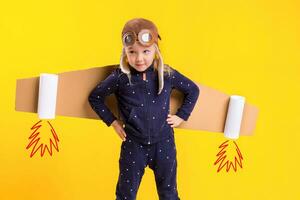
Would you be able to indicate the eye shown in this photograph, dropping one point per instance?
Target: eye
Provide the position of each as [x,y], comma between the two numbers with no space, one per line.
[146,51]
[131,52]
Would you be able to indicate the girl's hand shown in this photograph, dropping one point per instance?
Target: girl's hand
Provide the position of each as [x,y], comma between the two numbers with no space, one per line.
[118,126]
[174,120]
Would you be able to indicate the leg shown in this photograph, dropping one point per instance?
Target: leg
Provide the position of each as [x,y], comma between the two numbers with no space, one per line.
[131,165]
[165,170]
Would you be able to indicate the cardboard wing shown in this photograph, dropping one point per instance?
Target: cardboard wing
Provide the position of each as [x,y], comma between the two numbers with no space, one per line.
[74,88]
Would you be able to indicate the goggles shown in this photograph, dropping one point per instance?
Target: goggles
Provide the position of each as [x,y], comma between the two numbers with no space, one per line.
[145,37]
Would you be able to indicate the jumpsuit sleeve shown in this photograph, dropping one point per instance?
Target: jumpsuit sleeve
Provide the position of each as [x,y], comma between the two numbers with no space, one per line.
[97,97]
[190,90]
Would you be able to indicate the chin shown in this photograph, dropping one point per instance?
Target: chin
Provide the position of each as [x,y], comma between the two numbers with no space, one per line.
[140,68]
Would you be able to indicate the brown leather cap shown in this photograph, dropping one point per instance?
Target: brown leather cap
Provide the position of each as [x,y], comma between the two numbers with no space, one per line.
[137,24]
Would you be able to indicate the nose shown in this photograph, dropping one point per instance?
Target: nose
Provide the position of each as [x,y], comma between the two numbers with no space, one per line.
[139,57]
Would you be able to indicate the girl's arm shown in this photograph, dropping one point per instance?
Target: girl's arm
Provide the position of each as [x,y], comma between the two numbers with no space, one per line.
[98,94]
[190,90]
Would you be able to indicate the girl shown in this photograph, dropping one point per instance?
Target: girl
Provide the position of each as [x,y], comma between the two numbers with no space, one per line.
[142,85]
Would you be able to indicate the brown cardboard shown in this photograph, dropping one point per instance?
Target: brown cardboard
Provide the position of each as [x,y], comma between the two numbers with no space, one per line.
[74,88]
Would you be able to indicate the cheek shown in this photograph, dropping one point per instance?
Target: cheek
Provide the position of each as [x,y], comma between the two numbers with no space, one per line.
[131,58]
[150,57]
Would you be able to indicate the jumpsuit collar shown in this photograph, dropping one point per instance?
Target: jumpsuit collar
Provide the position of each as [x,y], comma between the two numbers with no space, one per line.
[149,69]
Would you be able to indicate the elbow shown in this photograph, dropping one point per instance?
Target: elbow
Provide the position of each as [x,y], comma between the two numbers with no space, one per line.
[91,102]
[91,99]
[197,90]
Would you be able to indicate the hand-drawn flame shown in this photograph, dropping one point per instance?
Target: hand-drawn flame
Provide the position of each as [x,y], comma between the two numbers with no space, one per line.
[35,138]
[222,157]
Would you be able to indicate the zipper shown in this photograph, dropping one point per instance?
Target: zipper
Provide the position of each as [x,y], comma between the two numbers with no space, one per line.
[146,103]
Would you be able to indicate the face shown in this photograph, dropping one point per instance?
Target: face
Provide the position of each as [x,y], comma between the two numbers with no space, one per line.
[140,57]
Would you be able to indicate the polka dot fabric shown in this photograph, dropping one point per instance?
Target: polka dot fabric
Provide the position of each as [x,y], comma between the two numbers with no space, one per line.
[135,157]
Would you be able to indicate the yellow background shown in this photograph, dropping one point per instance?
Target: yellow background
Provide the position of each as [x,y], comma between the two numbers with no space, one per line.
[250,48]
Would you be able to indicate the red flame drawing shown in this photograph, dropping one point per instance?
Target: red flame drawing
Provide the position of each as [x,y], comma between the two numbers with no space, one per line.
[35,138]
[222,157]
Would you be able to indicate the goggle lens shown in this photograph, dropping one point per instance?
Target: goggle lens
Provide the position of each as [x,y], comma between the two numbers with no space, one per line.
[129,39]
[144,37]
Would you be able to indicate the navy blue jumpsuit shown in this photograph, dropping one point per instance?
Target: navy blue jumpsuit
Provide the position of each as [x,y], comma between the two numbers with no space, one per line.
[150,139]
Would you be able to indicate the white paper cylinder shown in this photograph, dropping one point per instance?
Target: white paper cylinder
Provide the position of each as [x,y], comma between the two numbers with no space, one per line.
[47,96]
[234,117]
